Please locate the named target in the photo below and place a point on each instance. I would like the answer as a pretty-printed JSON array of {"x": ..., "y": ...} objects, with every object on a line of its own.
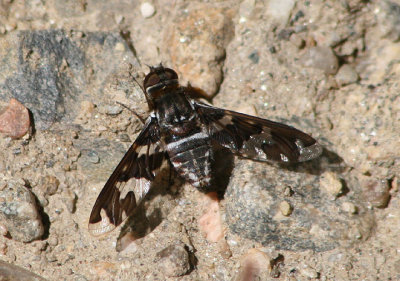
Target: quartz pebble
[
  {"x": 147, "y": 10},
  {"x": 349, "y": 207}
]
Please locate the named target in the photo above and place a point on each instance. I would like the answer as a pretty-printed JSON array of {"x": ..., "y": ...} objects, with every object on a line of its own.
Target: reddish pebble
[
  {"x": 210, "y": 222},
  {"x": 14, "y": 121}
]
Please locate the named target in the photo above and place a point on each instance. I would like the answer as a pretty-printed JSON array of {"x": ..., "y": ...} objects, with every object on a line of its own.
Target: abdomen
[{"x": 191, "y": 157}]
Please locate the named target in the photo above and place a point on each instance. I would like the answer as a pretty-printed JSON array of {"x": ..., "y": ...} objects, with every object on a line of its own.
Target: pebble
[
  {"x": 3, "y": 248},
  {"x": 93, "y": 157},
  {"x": 349, "y": 207},
  {"x": 147, "y": 10},
  {"x": 309, "y": 272},
  {"x": 173, "y": 260},
  {"x": 254, "y": 265},
  {"x": 15, "y": 121},
  {"x": 322, "y": 58},
  {"x": 280, "y": 10},
  {"x": 69, "y": 199},
  {"x": 87, "y": 107},
  {"x": 375, "y": 191},
  {"x": 286, "y": 208},
  {"x": 346, "y": 75},
  {"x": 53, "y": 241},
  {"x": 296, "y": 40},
  {"x": 224, "y": 249},
  {"x": 3, "y": 230},
  {"x": 49, "y": 185},
  {"x": 21, "y": 214},
  {"x": 113, "y": 110},
  {"x": 210, "y": 222},
  {"x": 331, "y": 184}
]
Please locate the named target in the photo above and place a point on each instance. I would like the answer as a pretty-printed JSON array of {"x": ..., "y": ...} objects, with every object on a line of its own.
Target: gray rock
[
  {"x": 316, "y": 222},
  {"x": 20, "y": 213},
  {"x": 322, "y": 58},
  {"x": 50, "y": 71}
]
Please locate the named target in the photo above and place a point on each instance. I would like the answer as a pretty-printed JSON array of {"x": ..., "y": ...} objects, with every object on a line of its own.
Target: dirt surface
[{"x": 328, "y": 68}]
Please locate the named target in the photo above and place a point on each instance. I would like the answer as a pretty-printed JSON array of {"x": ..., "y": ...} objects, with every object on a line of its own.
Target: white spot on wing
[
  {"x": 284, "y": 158},
  {"x": 102, "y": 226},
  {"x": 309, "y": 152}
]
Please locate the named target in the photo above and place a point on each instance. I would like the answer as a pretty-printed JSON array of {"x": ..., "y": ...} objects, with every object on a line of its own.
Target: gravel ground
[{"x": 328, "y": 68}]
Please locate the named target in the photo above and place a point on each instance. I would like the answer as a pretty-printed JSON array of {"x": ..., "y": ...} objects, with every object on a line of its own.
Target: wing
[
  {"x": 257, "y": 138},
  {"x": 129, "y": 182}
]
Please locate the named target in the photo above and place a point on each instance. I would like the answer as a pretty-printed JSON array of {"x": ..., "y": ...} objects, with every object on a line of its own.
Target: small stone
[
  {"x": 119, "y": 19},
  {"x": 53, "y": 241},
  {"x": 113, "y": 110},
  {"x": 20, "y": 213},
  {"x": 15, "y": 121},
  {"x": 284, "y": 34},
  {"x": 49, "y": 185},
  {"x": 331, "y": 184},
  {"x": 280, "y": 10},
  {"x": 322, "y": 58},
  {"x": 3, "y": 230},
  {"x": 3, "y": 248},
  {"x": 349, "y": 208},
  {"x": 173, "y": 260},
  {"x": 124, "y": 138},
  {"x": 286, "y": 208},
  {"x": 69, "y": 199},
  {"x": 376, "y": 192},
  {"x": 210, "y": 222},
  {"x": 87, "y": 107},
  {"x": 254, "y": 265},
  {"x": 147, "y": 10},
  {"x": 224, "y": 249},
  {"x": 296, "y": 40},
  {"x": 120, "y": 47},
  {"x": 93, "y": 157},
  {"x": 288, "y": 191},
  {"x": 346, "y": 75},
  {"x": 309, "y": 272},
  {"x": 254, "y": 57}
]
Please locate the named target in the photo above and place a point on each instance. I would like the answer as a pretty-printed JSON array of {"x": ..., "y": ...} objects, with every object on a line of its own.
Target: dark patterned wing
[
  {"x": 257, "y": 138},
  {"x": 129, "y": 182}
]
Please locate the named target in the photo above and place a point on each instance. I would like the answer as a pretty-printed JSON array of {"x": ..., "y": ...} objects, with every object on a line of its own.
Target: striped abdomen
[{"x": 191, "y": 157}]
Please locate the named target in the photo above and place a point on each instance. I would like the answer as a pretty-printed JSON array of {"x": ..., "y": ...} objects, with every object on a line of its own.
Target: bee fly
[{"x": 181, "y": 131}]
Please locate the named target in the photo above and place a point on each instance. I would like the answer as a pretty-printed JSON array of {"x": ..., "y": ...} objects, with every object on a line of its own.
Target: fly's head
[{"x": 159, "y": 80}]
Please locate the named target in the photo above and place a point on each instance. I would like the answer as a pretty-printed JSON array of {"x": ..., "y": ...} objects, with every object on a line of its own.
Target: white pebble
[{"x": 147, "y": 10}]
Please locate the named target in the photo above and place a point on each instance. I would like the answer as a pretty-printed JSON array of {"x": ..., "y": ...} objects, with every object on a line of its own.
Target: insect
[{"x": 181, "y": 132}]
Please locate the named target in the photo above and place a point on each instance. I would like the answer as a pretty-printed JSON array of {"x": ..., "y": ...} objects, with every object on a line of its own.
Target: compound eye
[
  {"x": 151, "y": 80},
  {"x": 171, "y": 74}
]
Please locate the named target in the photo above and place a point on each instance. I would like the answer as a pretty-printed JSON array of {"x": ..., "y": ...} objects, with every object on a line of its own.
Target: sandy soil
[{"x": 329, "y": 68}]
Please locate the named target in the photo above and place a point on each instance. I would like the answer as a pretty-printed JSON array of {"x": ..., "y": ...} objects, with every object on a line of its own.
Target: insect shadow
[{"x": 164, "y": 194}]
